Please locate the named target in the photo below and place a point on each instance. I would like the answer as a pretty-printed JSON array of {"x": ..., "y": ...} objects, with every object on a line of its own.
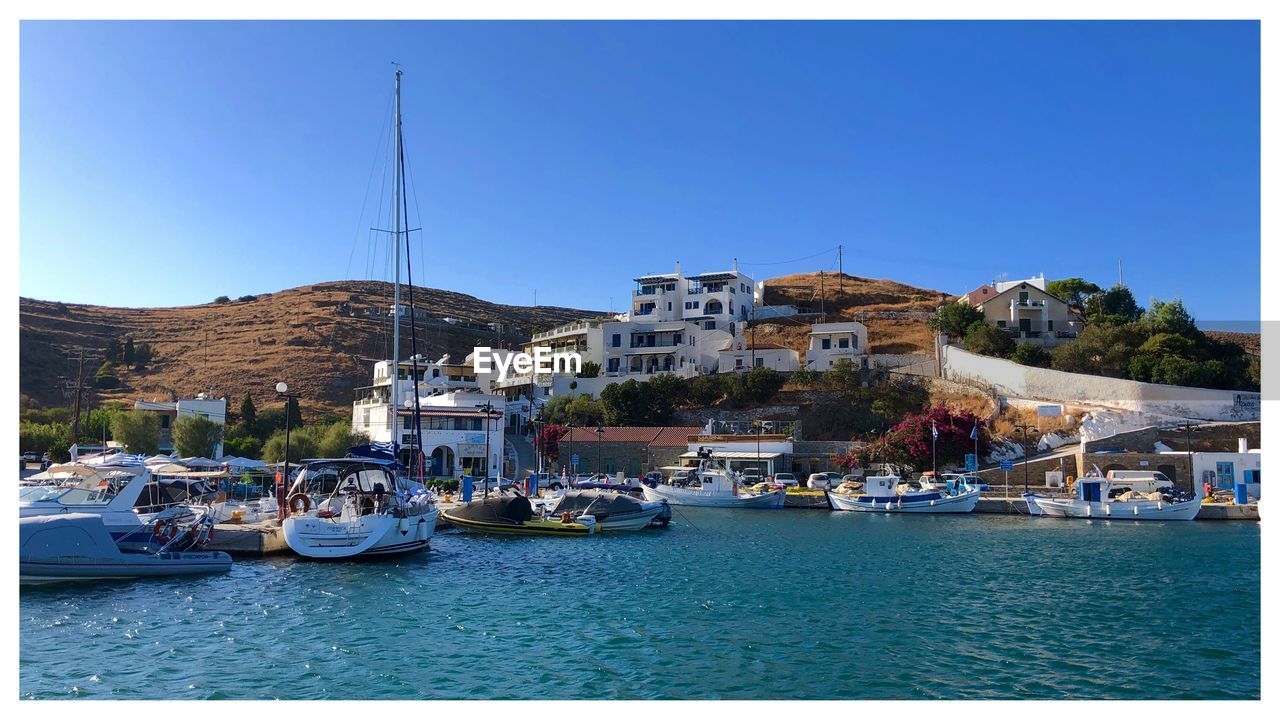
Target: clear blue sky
[{"x": 168, "y": 163}]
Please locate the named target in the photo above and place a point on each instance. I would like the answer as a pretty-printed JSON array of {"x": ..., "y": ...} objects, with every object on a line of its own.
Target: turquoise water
[{"x": 724, "y": 604}]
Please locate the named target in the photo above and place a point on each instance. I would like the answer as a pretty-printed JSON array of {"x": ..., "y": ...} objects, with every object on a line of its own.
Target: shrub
[
  {"x": 138, "y": 430},
  {"x": 105, "y": 378},
  {"x": 1031, "y": 354},
  {"x": 196, "y": 436},
  {"x": 246, "y": 298},
  {"x": 589, "y": 370},
  {"x": 984, "y": 339},
  {"x": 221, "y": 300},
  {"x": 955, "y": 318},
  {"x": 243, "y": 446},
  {"x": 300, "y": 446}
]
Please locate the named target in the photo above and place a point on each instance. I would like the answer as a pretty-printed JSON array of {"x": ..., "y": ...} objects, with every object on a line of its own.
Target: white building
[
  {"x": 740, "y": 355},
  {"x": 456, "y": 427},
  {"x": 676, "y": 324},
  {"x": 832, "y": 342},
  {"x": 1026, "y": 310},
  {"x": 169, "y": 412}
]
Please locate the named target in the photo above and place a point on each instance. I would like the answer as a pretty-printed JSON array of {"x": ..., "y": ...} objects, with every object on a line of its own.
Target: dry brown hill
[
  {"x": 893, "y": 312},
  {"x": 322, "y": 339}
]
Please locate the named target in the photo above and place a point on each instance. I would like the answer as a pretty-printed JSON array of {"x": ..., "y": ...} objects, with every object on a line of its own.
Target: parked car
[
  {"x": 819, "y": 481},
  {"x": 30, "y": 456},
  {"x": 786, "y": 479}
]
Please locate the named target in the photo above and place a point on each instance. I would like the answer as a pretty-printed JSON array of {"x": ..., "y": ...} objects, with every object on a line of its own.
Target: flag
[
  {"x": 974, "y": 435},
  {"x": 935, "y": 431}
]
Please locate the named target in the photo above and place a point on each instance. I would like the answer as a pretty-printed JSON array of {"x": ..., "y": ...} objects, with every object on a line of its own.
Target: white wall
[{"x": 1010, "y": 378}]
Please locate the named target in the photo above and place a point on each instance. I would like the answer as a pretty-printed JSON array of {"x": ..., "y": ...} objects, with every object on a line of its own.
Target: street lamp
[
  {"x": 1025, "y": 431},
  {"x": 282, "y": 389},
  {"x": 757, "y": 427},
  {"x": 487, "y": 407},
  {"x": 573, "y": 466},
  {"x": 599, "y": 457}
]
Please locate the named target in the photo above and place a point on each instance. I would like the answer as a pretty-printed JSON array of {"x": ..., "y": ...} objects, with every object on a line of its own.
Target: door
[
  {"x": 1226, "y": 474},
  {"x": 1024, "y": 325}
]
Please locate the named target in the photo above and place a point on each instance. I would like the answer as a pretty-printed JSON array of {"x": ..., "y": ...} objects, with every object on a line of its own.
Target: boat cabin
[{"x": 881, "y": 485}]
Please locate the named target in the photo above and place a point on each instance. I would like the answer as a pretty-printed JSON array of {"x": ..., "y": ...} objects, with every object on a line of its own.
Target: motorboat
[
  {"x": 945, "y": 482},
  {"x": 514, "y": 515},
  {"x": 887, "y": 493},
  {"x": 611, "y": 510},
  {"x": 77, "y": 547},
  {"x": 114, "y": 492},
  {"x": 712, "y": 485},
  {"x": 357, "y": 507},
  {"x": 1113, "y": 499}
]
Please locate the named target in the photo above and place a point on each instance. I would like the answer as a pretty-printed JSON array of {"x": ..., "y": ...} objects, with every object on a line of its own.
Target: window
[
  {"x": 617, "y": 339},
  {"x": 759, "y": 362},
  {"x": 854, "y": 340},
  {"x": 668, "y": 307},
  {"x": 164, "y": 422},
  {"x": 737, "y": 362},
  {"x": 677, "y": 338},
  {"x": 743, "y": 286},
  {"x": 1000, "y": 323},
  {"x": 1022, "y": 297},
  {"x": 406, "y": 423},
  {"x": 435, "y": 372},
  {"x": 844, "y": 343},
  {"x": 710, "y": 325},
  {"x": 826, "y": 343},
  {"x": 1050, "y": 326},
  {"x": 613, "y": 364}
]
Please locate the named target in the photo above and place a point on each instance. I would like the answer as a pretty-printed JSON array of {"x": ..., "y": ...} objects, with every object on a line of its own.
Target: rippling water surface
[{"x": 724, "y": 604}]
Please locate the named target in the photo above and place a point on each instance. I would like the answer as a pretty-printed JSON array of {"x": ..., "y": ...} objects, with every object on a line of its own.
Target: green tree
[
  {"x": 1100, "y": 350},
  {"x": 1116, "y": 306},
  {"x": 141, "y": 356},
  {"x": 336, "y": 439},
  {"x": 589, "y": 370},
  {"x": 986, "y": 340},
  {"x": 138, "y": 430},
  {"x": 1031, "y": 354},
  {"x": 128, "y": 352},
  {"x": 1170, "y": 318},
  {"x": 300, "y": 446},
  {"x": 243, "y": 446},
  {"x": 295, "y": 413},
  {"x": 196, "y": 436},
  {"x": 634, "y": 403},
  {"x": 842, "y": 376},
  {"x": 248, "y": 412},
  {"x": 805, "y": 377},
  {"x": 113, "y": 350},
  {"x": 955, "y": 318},
  {"x": 105, "y": 378},
  {"x": 705, "y": 390},
  {"x": 1073, "y": 291},
  {"x": 43, "y": 437}
]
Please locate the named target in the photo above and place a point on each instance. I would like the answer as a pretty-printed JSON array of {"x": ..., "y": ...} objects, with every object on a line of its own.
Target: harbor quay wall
[
  {"x": 1021, "y": 381},
  {"x": 1175, "y": 466},
  {"x": 1209, "y": 437}
]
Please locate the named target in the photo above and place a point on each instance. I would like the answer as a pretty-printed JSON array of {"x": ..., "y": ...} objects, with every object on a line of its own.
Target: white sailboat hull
[
  {"x": 1039, "y": 505},
  {"x": 699, "y": 498},
  {"x": 909, "y": 503},
  {"x": 366, "y": 536}
]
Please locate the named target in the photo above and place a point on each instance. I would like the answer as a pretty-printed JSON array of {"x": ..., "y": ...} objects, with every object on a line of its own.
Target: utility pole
[
  {"x": 840, "y": 265},
  {"x": 753, "y": 336},
  {"x": 75, "y": 413},
  {"x": 822, "y": 298}
]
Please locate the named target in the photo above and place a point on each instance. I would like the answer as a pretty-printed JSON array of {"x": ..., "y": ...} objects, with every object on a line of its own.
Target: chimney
[
  {"x": 735, "y": 264},
  {"x": 677, "y": 267},
  {"x": 1242, "y": 445}
]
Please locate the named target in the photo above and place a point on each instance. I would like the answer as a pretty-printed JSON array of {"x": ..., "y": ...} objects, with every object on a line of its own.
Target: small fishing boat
[
  {"x": 611, "y": 510},
  {"x": 351, "y": 507},
  {"x": 887, "y": 493},
  {"x": 513, "y": 515},
  {"x": 712, "y": 486},
  {"x": 1095, "y": 499},
  {"x": 77, "y": 546}
]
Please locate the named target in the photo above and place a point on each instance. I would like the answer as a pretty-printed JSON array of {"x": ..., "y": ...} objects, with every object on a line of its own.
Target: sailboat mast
[{"x": 395, "y": 333}]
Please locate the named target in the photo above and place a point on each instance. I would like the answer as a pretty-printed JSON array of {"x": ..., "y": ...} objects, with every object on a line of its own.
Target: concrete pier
[{"x": 248, "y": 539}]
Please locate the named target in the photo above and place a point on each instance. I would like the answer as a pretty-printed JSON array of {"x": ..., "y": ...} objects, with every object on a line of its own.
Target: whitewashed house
[
  {"x": 169, "y": 412},
  {"x": 1026, "y": 310},
  {"x": 741, "y": 355},
  {"x": 831, "y": 342}
]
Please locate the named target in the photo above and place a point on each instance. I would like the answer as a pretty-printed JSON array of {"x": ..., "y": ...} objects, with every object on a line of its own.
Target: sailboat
[{"x": 363, "y": 507}]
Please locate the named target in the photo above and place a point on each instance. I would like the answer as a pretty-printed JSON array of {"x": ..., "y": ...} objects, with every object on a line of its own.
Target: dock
[{"x": 249, "y": 540}]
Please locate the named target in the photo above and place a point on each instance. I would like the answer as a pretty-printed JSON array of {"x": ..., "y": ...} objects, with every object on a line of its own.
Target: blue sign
[
  {"x": 575, "y": 459},
  {"x": 1006, "y": 465},
  {"x": 970, "y": 462}
]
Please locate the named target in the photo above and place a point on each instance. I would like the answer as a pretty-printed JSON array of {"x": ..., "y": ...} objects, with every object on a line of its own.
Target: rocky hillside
[
  {"x": 322, "y": 339},
  {"x": 894, "y": 313}
]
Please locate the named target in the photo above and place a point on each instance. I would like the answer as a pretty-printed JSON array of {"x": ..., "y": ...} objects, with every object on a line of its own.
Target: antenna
[{"x": 1122, "y": 273}]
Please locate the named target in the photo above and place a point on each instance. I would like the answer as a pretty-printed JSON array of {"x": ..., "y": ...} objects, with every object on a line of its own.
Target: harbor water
[{"x": 732, "y": 604}]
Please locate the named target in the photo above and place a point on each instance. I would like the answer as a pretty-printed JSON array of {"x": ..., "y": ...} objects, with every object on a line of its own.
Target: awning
[{"x": 736, "y": 455}]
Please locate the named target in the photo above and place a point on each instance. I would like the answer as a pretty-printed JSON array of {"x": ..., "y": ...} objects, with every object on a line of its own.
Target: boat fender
[
  {"x": 163, "y": 530},
  {"x": 299, "y": 503},
  {"x": 566, "y": 518},
  {"x": 932, "y": 503}
]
